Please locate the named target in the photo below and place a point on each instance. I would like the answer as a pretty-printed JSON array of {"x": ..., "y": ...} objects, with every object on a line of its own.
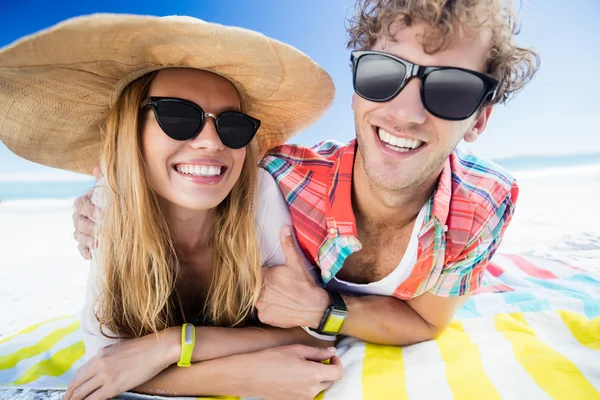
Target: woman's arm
[
  {"x": 214, "y": 342},
  {"x": 93, "y": 338},
  {"x": 291, "y": 372}
]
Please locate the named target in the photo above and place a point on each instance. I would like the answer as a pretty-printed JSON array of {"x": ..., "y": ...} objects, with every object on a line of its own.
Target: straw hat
[{"x": 58, "y": 86}]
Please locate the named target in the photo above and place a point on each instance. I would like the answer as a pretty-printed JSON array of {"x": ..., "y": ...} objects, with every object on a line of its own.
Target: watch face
[{"x": 335, "y": 321}]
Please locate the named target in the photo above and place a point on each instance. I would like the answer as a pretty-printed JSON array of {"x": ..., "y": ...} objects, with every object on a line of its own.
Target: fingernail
[
  {"x": 287, "y": 231},
  {"x": 332, "y": 349}
]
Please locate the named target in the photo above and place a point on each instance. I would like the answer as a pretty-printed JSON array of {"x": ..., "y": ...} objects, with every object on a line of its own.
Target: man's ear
[{"x": 479, "y": 125}]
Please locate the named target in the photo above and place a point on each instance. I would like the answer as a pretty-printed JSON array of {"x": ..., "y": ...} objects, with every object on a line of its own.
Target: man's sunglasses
[
  {"x": 446, "y": 92},
  {"x": 182, "y": 119}
]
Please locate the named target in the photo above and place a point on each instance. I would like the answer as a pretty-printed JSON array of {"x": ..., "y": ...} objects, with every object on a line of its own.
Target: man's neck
[{"x": 375, "y": 207}]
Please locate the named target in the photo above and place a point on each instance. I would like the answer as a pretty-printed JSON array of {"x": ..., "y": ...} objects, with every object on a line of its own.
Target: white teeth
[
  {"x": 398, "y": 143},
  {"x": 199, "y": 170}
]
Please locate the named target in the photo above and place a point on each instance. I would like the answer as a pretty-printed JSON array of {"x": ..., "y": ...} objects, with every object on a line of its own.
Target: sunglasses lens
[
  {"x": 452, "y": 93},
  {"x": 235, "y": 129},
  {"x": 180, "y": 121},
  {"x": 378, "y": 77}
]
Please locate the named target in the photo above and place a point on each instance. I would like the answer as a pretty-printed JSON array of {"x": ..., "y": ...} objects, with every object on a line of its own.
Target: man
[{"x": 399, "y": 216}]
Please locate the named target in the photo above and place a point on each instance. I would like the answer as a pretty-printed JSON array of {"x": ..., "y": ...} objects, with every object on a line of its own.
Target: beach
[{"x": 43, "y": 275}]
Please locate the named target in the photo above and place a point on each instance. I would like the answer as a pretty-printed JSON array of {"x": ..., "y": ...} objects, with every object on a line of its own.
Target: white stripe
[
  {"x": 546, "y": 292},
  {"x": 566, "y": 303},
  {"x": 490, "y": 304},
  {"x": 425, "y": 372},
  {"x": 550, "y": 329},
  {"x": 499, "y": 363},
  {"x": 20, "y": 341},
  {"x": 352, "y": 353},
  {"x": 556, "y": 267}
]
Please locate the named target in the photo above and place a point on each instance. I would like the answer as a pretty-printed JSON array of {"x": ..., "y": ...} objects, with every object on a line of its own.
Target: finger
[
  {"x": 97, "y": 173},
  {"x": 334, "y": 371},
  {"x": 86, "y": 389},
  {"x": 292, "y": 255},
  {"x": 313, "y": 353},
  {"x": 82, "y": 375},
  {"x": 84, "y": 207},
  {"x": 102, "y": 394},
  {"x": 324, "y": 386},
  {"x": 85, "y": 252},
  {"x": 84, "y": 231}
]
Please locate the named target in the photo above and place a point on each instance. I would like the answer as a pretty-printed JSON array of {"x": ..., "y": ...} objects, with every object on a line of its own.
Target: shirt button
[
  {"x": 332, "y": 231},
  {"x": 327, "y": 274}
]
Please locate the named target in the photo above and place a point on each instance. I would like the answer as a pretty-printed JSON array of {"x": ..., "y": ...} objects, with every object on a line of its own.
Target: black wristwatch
[{"x": 334, "y": 317}]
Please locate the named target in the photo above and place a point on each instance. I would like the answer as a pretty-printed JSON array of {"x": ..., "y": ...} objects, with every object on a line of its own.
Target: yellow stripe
[
  {"x": 464, "y": 368},
  {"x": 552, "y": 371},
  {"x": 586, "y": 331},
  {"x": 384, "y": 373},
  {"x": 10, "y": 360},
  {"x": 56, "y": 365},
  {"x": 33, "y": 328}
]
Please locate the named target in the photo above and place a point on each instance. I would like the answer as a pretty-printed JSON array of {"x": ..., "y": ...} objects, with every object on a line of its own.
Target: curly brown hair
[{"x": 511, "y": 65}]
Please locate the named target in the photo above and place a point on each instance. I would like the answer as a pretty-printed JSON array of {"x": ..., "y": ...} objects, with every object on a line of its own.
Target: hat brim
[{"x": 58, "y": 86}]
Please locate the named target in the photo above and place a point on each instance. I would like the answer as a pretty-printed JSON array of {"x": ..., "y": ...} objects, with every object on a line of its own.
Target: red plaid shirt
[{"x": 463, "y": 226}]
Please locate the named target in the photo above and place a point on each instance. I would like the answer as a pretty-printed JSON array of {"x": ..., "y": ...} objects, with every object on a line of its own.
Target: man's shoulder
[
  {"x": 481, "y": 183},
  {"x": 322, "y": 155}
]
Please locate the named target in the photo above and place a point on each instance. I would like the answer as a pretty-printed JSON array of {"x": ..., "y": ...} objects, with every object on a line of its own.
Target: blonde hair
[
  {"x": 138, "y": 255},
  {"x": 510, "y": 64}
]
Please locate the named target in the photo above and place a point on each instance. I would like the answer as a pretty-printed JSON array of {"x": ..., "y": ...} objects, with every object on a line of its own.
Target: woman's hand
[
  {"x": 289, "y": 373},
  {"x": 120, "y": 367}
]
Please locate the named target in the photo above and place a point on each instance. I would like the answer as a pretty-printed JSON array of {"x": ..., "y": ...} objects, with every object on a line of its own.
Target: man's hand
[
  {"x": 84, "y": 215},
  {"x": 290, "y": 295}
]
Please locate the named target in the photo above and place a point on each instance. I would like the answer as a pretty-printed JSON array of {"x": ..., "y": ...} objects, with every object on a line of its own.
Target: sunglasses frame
[
  {"x": 154, "y": 102},
  {"x": 490, "y": 85}
]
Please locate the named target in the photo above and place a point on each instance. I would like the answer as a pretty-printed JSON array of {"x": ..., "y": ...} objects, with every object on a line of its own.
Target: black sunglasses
[
  {"x": 446, "y": 92},
  {"x": 182, "y": 119}
]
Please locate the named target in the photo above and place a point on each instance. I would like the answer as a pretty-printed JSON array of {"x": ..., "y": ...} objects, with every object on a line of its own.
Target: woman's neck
[{"x": 190, "y": 229}]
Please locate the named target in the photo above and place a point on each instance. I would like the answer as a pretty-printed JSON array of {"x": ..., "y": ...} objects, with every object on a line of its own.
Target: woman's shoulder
[
  {"x": 272, "y": 214},
  {"x": 271, "y": 202}
]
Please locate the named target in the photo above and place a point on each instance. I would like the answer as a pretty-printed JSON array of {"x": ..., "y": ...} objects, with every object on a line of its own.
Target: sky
[{"x": 558, "y": 113}]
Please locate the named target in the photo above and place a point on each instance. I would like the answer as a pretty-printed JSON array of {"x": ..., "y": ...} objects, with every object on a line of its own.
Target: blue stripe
[
  {"x": 468, "y": 310},
  {"x": 474, "y": 189},
  {"x": 293, "y": 194},
  {"x": 304, "y": 161},
  {"x": 526, "y": 301},
  {"x": 584, "y": 279},
  {"x": 591, "y": 307},
  {"x": 565, "y": 290},
  {"x": 485, "y": 167}
]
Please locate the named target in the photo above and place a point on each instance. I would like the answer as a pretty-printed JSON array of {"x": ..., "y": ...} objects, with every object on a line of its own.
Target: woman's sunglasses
[
  {"x": 182, "y": 119},
  {"x": 446, "y": 92}
]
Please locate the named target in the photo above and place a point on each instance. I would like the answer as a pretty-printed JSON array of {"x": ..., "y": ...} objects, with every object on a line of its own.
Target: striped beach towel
[{"x": 532, "y": 331}]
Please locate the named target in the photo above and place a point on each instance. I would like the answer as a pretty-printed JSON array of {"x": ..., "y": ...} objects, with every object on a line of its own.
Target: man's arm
[
  {"x": 378, "y": 319},
  {"x": 387, "y": 320}
]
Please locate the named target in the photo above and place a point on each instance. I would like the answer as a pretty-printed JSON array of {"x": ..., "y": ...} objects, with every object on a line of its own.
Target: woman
[{"x": 182, "y": 110}]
